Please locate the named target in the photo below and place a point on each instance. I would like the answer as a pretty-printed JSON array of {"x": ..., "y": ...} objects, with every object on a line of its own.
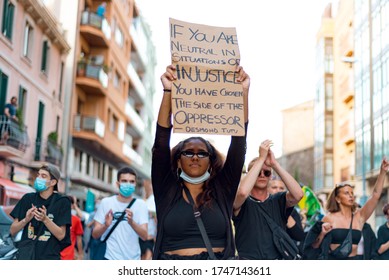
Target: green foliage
[
  {"x": 53, "y": 137},
  {"x": 19, "y": 115}
]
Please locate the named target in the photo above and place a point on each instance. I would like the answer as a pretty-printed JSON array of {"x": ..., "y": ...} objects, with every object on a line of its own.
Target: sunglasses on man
[{"x": 265, "y": 173}]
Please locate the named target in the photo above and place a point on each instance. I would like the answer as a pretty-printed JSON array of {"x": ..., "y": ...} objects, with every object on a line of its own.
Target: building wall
[
  {"x": 344, "y": 139},
  {"x": 371, "y": 95},
  {"x": 114, "y": 107},
  {"x": 323, "y": 112},
  {"x": 24, "y": 70},
  {"x": 295, "y": 136},
  {"x": 298, "y": 142}
]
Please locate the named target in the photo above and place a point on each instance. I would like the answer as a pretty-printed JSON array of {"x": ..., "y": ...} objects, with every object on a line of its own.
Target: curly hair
[{"x": 204, "y": 199}]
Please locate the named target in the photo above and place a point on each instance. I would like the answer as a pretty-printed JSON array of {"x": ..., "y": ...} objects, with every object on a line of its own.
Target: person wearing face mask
[
  {"x": 123, "y": 243},
  {"x": 194, "y": 168},
  {"x": 45, "y": 213}
]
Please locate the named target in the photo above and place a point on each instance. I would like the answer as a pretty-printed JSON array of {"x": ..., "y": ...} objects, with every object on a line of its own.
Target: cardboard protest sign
[{"x": 206, "y": 98}]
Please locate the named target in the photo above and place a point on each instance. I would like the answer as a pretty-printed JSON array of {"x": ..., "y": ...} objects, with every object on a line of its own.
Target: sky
[{"x": 277, "y": 47}]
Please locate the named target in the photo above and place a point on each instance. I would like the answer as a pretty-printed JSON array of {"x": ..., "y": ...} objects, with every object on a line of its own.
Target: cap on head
[{"x": 54, "y": 171}]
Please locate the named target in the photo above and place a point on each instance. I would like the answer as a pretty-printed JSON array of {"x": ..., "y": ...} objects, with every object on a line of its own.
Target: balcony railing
[
  {"x": 13, "y": 134},
  {"x": 138, "y": 85},
  {"x": 136, "y": 119},
  {"x": 132, "y": 155},
  {"x": 92, "y": 19},
  {"x": 93, "y": 71},
  {"x": 88, "y": 123},
  {"x": 46, "y": 150}
]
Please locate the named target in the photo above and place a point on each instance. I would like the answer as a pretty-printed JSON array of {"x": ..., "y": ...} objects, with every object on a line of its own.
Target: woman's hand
[
  {"x": 243, "y": 78},
  {"x": 326, "y": 228},
  {"x": 385, "y": 165},
  {"x": 168, "y": 77}
]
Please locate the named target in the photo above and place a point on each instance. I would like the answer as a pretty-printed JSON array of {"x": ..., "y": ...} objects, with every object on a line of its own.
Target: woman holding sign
[{"x": 193, "y": 178}]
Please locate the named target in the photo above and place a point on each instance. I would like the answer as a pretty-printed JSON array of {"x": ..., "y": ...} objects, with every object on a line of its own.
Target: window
[
  {"x": 113, "y": 123},
  {"x": 8, "y": 18},
  {"x": 22, "y": 101},
  {"x": 45, "y": 56},
  {"x": 57, "y": 124},
  {"x": 60, "y": 82},
  {"x": 3, "y": 90},
  {"x": 119, "y": 38},
  {"x": 117, "y": 80},
  {"x": 27, "y": 43}
]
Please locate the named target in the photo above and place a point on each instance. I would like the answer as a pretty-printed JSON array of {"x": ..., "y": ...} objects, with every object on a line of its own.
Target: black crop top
[
  {"x": 339, "y": 234},
  {"x": 187, "y": 234}
]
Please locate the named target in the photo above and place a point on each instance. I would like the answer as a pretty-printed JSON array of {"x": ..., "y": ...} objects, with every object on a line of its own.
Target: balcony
[
  {"x": 137, "y": 83},
  {"x": 132, "y": 155},
  {"x": 347, "y": 132},
  {"x": 92, "y": 78},
  {"x": 89, "y": 124},
  {"x": 136, "y": 121},
  {"x": 141, "y": 48},
  {"x": 14, "y": 138},
  {"x": 346, "y": 87},
  {"x": 95, "y": 29},
  {"x": 48, "y": 151}
]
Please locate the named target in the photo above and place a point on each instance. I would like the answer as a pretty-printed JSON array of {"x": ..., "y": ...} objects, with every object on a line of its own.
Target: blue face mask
[
  {"x": 126, "y": 189},
  {"x": 40, "y": 184}
]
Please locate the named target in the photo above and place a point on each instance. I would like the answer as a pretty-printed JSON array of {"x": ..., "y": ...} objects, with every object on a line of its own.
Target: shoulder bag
[
  {"x": 281, "y": 239},
  {"x": 101, "y": 245},
  {"x": 344, "y": 249},
  {"x": 200, "y": 224}
]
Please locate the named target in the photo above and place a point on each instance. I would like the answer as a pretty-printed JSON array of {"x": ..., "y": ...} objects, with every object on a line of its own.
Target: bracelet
[{"x": 167, "y": 90}]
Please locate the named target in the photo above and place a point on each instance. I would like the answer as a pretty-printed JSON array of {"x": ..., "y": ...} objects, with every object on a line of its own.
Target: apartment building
[
  {"x": 344, "y": 137},
  {"x": 371, "y": 82},
  {"x": 323, "y": 110},
  {"x": 352, "y": 113},
  {"x": 111, "y": 85},
  {"x": 33, "y": 51}
]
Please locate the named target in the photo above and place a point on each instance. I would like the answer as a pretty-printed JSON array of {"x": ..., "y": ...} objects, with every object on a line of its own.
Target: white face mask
[
  {"x": 195, "y": 180},
  {"x": 74, "y": 212}
]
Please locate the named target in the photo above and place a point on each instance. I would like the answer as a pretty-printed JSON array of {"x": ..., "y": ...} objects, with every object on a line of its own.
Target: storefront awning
[{"x": 14, "y": 190}]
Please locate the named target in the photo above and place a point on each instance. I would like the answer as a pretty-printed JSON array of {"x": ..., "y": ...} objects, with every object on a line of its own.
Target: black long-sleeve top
[{"x": 168, "y": 189}]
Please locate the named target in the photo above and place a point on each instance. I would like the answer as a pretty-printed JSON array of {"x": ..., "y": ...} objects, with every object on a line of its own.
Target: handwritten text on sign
[{"x": 206, "y": 98}]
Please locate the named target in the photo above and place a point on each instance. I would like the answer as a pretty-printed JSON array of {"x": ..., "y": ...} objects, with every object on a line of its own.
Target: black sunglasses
[
  {"x": 266, "y": 173},
  {"x": 190, "y": 154}
]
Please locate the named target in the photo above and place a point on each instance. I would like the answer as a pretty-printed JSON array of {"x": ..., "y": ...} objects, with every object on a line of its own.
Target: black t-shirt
[
  {"x": 253, "y": 236},
  {"x": 187, "y": 234},
  {"x": 383, "y": 237},
  {"x": 48, "y": 247}
]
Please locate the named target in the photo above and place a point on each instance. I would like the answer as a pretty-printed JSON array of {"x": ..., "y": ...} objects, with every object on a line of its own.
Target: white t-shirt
[{"x": 123, "y": 243}]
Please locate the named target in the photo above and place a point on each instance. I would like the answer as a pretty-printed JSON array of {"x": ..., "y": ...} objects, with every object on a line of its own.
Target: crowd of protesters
[{"x": 197, "y": 206}]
